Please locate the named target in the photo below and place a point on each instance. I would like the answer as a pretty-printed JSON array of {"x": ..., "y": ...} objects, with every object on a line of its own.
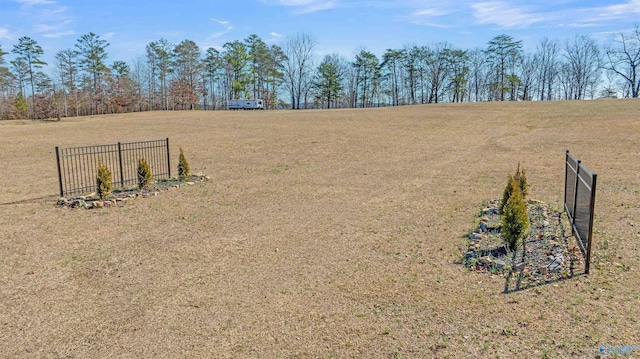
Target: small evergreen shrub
[
  {"x": 520, "y": 181},
  {"x": 144, "y": 174},
  {"x": 512, "y": 184},
  {"x": 515, "y": 220},
  {"x": 183, "y": 167},
  {"x": 103, "y": 181},
  {"x": 521, "y": 177}
]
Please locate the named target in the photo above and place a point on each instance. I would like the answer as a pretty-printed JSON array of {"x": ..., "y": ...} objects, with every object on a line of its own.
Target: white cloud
[
  {"x": 4, "y": 34},
  {"x": 49, "y": 28},
  {"x": 108, "y": 35},
  {"x": 432, "y": 12},
  {"x": 218, "y": 34},
  {"x": 307, "y": 6},
  {"x": 54, "y": 11},
  {"x": 506, "y": 16},
  {"x": 275, "y": 34},
  {"x": 581, "y": 25},
  {"x": 35, "y": 2},
  {"x": 597, "y": 16},
  {"x": 55, "y": 35},
  {"x": 221, "y": 22},
  {"x": 425, "y": 16},
  {"x": 630, "y": 7},
  {"x": 53, "y": 31}
]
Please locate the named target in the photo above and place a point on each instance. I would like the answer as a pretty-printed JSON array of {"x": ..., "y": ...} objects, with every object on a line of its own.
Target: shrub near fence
[
  {"x": 78, "y": 166},
  {"x": 579, "y": 203}
]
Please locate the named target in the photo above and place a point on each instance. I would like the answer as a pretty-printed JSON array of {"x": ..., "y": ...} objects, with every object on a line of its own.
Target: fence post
[
  {"x": 591, "y": 210},
  {"x": 59, "y": 172},
  {"x": 168, "y": 159},
  {"x": 120, "y": 163},
  {"x": 566, "y": 173}
]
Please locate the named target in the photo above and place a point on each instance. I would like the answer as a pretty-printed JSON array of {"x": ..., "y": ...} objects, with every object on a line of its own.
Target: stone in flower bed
[
  {"x": 545, "y": 256},
  {"x": 121, "y": 196}
]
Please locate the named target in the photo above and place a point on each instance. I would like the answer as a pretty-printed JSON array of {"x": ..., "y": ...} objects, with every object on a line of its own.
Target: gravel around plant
[
  {"x": 120, "y": 196},
  {"x": 546, "y": 256}
]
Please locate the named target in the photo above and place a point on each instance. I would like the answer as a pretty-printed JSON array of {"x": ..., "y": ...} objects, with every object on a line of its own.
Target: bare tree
[
  {"x": 67, "y": 68},
  {"x": 139, "y": 76},
  {"x": 623, "y": 59},
  {"x": 477, "y": 75},
  {"x": 529, "y": 64},
  {"x": 549, "y": 67},
  {"x": 582, "y": 67},
  {"x": 437, "y": 61},
  {"x": 298, "y": 66}
]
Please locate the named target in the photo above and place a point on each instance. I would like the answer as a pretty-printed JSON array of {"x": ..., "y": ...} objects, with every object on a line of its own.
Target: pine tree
[
  {"x": 328, "y": 81},
  {"x": 29, "y": 51},
  {"x": 92, "y": 52}
]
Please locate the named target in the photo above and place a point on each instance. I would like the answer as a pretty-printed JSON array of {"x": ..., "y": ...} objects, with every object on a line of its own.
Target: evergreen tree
[
  {"x": 30, "y": 52},
  {"x": 92, "y": 51},
  {"x": 328, "y": 80},
  {"x": 186, "y": 67},
  {"x": 212, "y": 65},
  {"x": 503, "y": 51},
  {"x": 237, "y": 60}
]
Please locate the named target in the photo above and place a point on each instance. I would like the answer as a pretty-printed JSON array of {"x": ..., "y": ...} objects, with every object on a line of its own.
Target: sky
[{"x": 338, "y": 26}]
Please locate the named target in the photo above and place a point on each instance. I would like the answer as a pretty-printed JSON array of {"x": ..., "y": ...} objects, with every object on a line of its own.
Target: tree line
[{"x": 183, "y": 77}]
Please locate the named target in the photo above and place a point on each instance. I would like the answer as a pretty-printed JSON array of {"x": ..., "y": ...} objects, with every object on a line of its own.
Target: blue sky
[{"x": 341, "y": 26}]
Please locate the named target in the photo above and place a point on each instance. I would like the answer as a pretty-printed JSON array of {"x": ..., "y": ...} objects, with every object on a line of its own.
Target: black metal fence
[
  {"x": 579, "y": 203},
  {"x": 78, "y": 166}
]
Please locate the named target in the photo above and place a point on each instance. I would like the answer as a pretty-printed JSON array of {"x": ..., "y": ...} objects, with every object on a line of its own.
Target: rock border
[{"x": 120, "y": 197}]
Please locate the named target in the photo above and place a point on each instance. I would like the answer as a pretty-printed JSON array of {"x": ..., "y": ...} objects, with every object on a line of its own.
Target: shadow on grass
[
  {"x": 30, "y": 200},
  {"x": 514, "y": 279}
]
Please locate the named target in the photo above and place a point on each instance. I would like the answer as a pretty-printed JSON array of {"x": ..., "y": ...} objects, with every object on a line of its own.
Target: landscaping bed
[
  {"x": 120, "y": 196},
  {"x": 547, "y": 254}
]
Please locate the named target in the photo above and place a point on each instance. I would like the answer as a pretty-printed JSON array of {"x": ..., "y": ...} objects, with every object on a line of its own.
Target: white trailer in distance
[{"x": 246, "y": 104}]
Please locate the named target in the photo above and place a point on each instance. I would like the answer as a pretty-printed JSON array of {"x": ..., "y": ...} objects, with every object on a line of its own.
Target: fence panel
[
  {"x": 571, "y": 177},
  {"x": 78, "y": 166},
  {"x": 580, "y": 194}
]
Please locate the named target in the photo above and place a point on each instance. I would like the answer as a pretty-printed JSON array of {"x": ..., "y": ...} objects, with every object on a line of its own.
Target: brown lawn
[{"x": 321, "y": 234}]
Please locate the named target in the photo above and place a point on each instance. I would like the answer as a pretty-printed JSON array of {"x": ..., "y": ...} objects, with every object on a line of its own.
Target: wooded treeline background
[{"x": 182, "y": 77}]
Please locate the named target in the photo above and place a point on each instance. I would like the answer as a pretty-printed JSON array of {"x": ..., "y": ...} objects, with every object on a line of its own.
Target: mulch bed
[{"x": 548, "y": 255}]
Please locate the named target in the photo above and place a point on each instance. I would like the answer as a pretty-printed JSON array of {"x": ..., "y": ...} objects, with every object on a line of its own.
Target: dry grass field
[{"x": 321, "y": 234}]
